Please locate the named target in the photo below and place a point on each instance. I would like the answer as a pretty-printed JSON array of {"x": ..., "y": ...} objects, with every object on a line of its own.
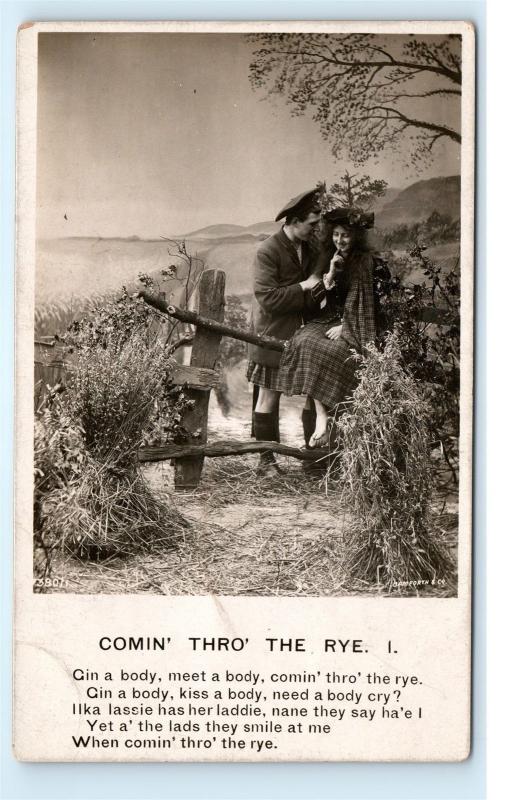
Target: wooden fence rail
[
  {"x": 226, "y": 448},
  {"x": 432, "y": 314},
  {"x": 269, "y": 342}
]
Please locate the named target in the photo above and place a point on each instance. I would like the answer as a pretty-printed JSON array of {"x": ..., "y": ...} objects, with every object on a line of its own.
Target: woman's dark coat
[{"x": 279, "y": 301}]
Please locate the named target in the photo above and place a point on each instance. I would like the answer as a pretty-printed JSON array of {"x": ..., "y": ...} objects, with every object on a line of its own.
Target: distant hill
[
  {"x": 387, "y": 198},
  {"x": 226, "y": 231},
  {"x": 413, "y": 204},
  {"x": 416, "y": 202},
  {"x": 264, "y": 227},
  {"x": 215, "y": 232}
]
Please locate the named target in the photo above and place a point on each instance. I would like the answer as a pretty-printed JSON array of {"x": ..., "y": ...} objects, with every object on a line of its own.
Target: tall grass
[
  {"x": 381, "y": 466},
  {"x": 55, "y": 317},
  {"x": 90, "y": 496}
]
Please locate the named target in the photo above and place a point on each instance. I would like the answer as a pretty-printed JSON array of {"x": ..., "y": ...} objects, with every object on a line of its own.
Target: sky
[{"x": 159, "y": 134}]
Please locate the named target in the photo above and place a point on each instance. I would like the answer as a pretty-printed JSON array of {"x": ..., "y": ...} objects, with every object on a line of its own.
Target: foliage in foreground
[
  {"x": 90, "y": 497},
  {"x": 381, "y": 466},
  {"x": 430, "y": 352}
]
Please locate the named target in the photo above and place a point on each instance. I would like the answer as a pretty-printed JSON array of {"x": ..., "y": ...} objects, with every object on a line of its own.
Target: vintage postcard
[{"x": 244, "y": 391}]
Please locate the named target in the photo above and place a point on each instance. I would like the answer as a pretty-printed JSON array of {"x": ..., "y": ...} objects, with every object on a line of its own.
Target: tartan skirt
[
  {"x": 261, "y": 375},
  {"x": 314, "y": 365}
]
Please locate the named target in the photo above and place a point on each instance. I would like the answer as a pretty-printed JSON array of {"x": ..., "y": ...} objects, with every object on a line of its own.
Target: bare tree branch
[{"x": 358, "y": 90}]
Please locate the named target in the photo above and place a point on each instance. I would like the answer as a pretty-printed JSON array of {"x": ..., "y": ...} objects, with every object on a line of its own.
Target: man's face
[{"x": 303, "y": 229}]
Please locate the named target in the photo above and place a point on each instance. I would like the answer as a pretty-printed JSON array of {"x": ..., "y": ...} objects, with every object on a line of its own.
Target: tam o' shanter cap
[
  {"x": 351, "y": 217},
  {"x": 307, "y": 198}
]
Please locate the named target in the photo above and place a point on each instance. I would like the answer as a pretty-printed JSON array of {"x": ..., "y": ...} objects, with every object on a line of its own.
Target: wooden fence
[{"x": 196, "y": 377}]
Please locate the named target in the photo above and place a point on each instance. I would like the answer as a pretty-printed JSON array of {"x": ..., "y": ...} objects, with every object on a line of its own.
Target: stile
[
  {"x": 210, "y": 302},
  {"x": 198, "y": 377}
]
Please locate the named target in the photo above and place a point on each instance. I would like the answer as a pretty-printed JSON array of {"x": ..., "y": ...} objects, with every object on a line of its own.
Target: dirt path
[{"x": 248, "y": 536}]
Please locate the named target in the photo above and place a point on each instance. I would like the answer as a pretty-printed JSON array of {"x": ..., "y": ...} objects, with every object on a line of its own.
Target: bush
[
  {"x": 430, "y": 352},
  {"x": 90, "y": 497},
  {"x": 125, "y": 330},
  {"x": 381, "y": 465},
  {"x": 59, "y": 456},
  {"x": 436, "y": 229},
  {"x": 113, "y": 391}
]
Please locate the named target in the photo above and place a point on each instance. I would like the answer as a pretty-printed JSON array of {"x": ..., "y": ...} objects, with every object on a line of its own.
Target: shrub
[
  {"x": 91, "y": 498},
  {"x": 59, "y": 455},
  {"x": 430, "y": 352},
  {"x": 113, "y": 390},
  {"x": 109, "y": 323}
]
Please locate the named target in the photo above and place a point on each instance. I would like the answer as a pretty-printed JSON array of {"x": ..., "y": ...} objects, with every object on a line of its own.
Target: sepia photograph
[
  {"x": 248, "y": 335},
  {"x": 244, "y": 291}
]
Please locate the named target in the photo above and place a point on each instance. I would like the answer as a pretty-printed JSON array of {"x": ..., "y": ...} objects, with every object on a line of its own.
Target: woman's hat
[
  {"x": 304, "y": 201},
  {"x": 351, "y": 217}
]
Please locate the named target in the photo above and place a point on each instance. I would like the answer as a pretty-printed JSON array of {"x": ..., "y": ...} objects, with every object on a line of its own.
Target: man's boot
[
  {"x": 264, "y": 429},
  {"x": 275, "y": 415},
  {"x": 308, "y": 424}
]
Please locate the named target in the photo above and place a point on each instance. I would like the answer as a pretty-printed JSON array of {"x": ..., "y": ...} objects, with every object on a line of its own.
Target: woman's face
[{"x": 343, "y": 239}]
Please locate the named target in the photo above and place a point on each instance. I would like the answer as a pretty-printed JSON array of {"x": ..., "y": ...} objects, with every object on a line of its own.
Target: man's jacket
[{"x": 279, "y": 303}]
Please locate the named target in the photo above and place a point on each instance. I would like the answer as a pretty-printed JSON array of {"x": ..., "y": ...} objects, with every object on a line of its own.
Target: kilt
[
  {"x": 314, "y": 365},
  {"x": 262, "y": 375}
]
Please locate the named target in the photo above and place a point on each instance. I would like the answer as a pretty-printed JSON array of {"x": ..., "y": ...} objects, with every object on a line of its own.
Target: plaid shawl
[{"x": 358, "y": 322}]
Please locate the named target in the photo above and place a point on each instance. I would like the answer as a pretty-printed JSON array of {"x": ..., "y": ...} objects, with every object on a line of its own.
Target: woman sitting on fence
[{"x": 319, "y": 360}]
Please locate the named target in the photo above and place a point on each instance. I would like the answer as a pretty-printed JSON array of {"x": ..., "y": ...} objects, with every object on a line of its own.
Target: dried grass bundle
[
  {"x": 108, "y": 511},
  {"x": 382, "y": 469},
  {"x": 91, "y": 499}
]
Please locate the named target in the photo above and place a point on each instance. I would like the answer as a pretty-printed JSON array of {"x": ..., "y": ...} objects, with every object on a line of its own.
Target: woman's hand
[
  {"x": 334, "y": 333},
  {"x": 336, "y": 262}
]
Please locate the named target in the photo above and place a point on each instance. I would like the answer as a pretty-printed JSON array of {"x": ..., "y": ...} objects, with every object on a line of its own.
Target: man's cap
[
  {"x": 350, "y": 217},
  {"x": 300, "y": 203}
]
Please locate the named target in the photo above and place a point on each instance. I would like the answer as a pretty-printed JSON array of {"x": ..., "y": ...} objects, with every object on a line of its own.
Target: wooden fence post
[
  {"x": 49, "y": 368},
  {"x": 210, "y": 302}
]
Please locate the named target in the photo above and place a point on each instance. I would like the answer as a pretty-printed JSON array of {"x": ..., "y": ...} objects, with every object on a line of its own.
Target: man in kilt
[{"x": 285, "y": 275}]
